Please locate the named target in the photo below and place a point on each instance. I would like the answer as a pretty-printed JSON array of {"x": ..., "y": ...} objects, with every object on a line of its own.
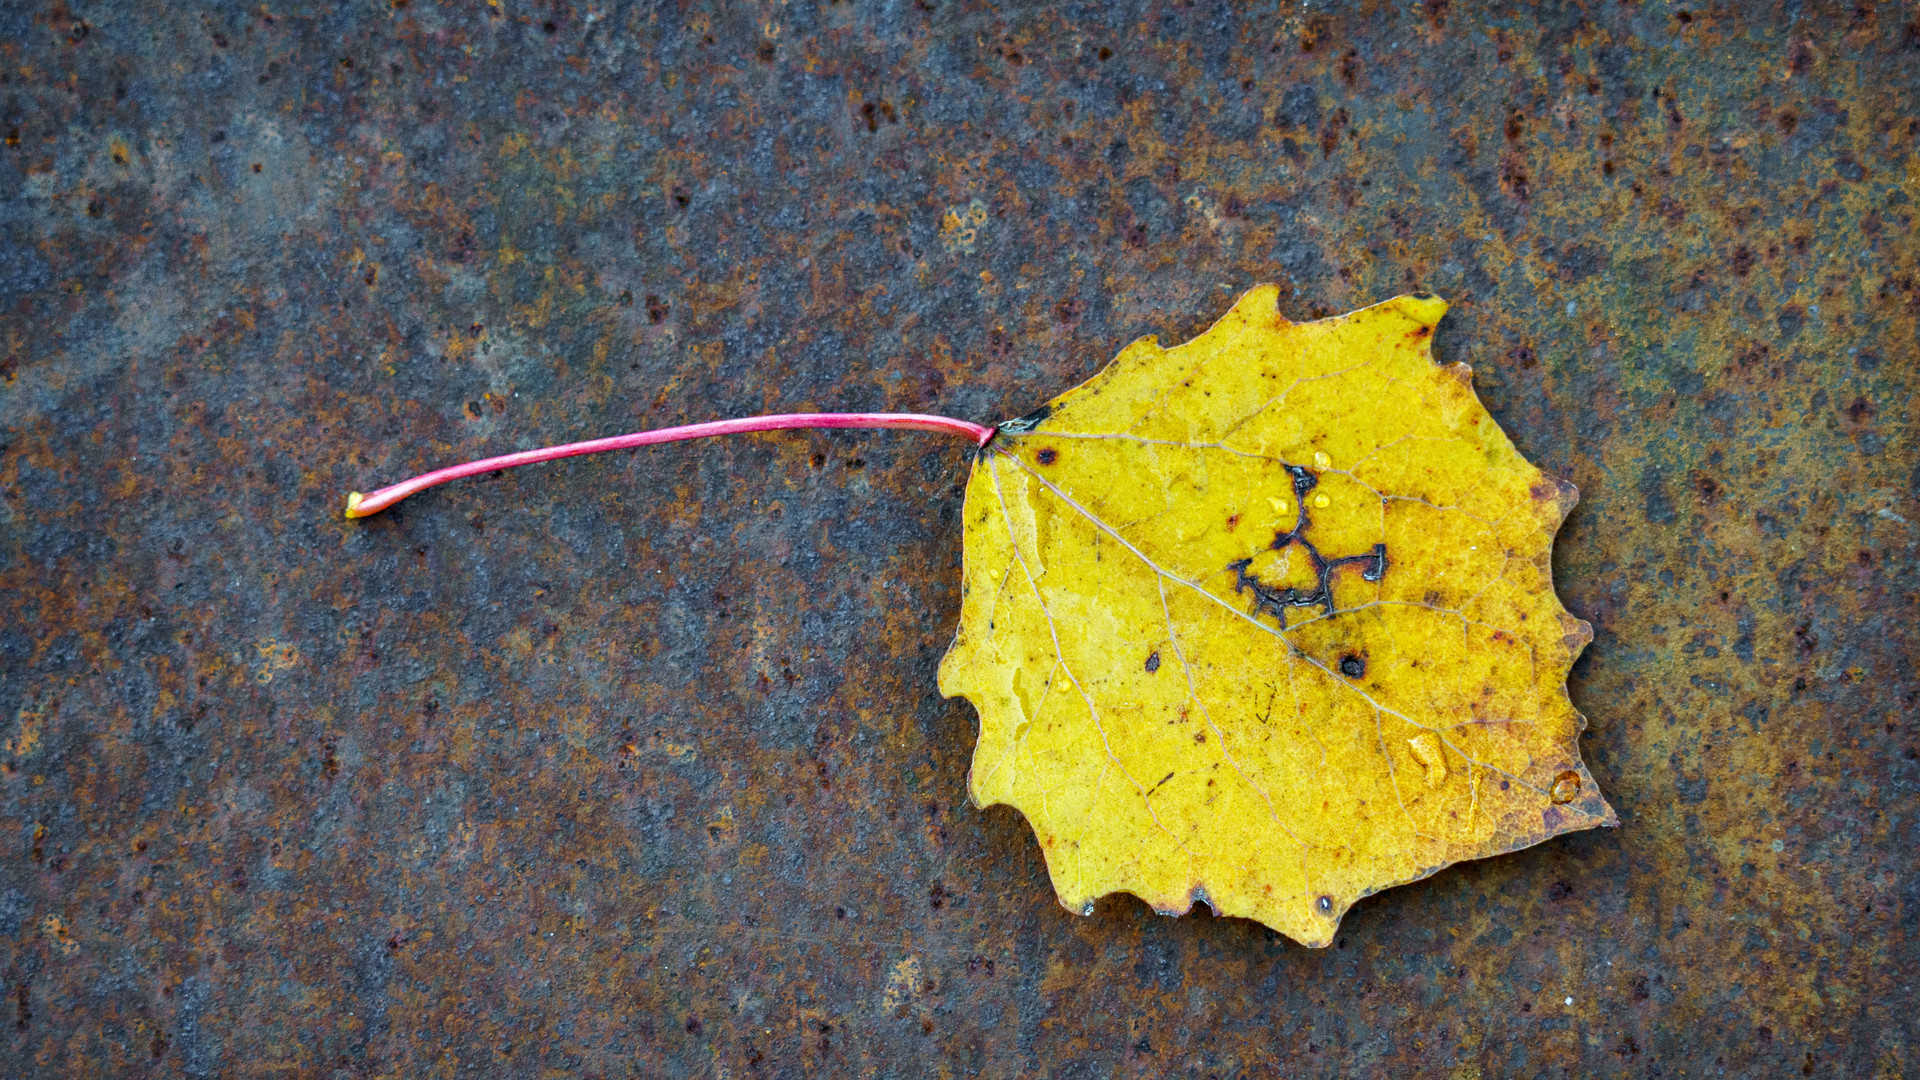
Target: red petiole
[{"x": 359, "y": 505}]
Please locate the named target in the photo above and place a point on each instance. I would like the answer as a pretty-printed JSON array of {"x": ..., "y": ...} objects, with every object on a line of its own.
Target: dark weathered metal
[{"x": 636, "y": 766}]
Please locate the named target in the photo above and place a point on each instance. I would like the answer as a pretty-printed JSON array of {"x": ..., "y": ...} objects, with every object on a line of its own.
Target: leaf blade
[{"x": 1290, "y": 589}]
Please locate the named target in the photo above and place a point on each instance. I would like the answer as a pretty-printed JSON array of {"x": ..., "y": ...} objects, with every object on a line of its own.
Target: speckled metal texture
[{"x": 636, "y": 767}]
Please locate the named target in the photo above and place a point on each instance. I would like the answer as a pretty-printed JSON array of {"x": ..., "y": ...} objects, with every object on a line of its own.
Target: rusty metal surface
[{"x": 635, "y": 767}]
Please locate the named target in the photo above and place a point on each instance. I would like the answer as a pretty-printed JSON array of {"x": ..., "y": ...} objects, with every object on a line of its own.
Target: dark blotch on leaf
[
  {"x": 1352, "y": 666},
  {"x": 1153, "y": 662},
  {"x": 1047, "y": 456}
]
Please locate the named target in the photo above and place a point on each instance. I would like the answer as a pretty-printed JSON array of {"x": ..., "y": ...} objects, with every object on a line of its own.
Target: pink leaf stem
[{"x": 359, "y": 505}]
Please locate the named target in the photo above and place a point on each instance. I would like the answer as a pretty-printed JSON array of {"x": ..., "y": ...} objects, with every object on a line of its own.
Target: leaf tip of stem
[{"x": 354, "y": 499}]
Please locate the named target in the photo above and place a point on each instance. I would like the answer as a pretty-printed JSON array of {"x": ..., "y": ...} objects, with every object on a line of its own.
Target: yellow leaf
[{"x": 1267, "y": 620}]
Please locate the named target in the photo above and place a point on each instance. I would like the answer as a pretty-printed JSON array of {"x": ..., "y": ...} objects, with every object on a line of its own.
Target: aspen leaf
[{"x": 1267, "y": 620}]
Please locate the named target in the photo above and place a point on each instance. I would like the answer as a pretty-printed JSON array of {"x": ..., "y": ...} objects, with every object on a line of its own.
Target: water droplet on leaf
[{"x": 1566, "y": 788}]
